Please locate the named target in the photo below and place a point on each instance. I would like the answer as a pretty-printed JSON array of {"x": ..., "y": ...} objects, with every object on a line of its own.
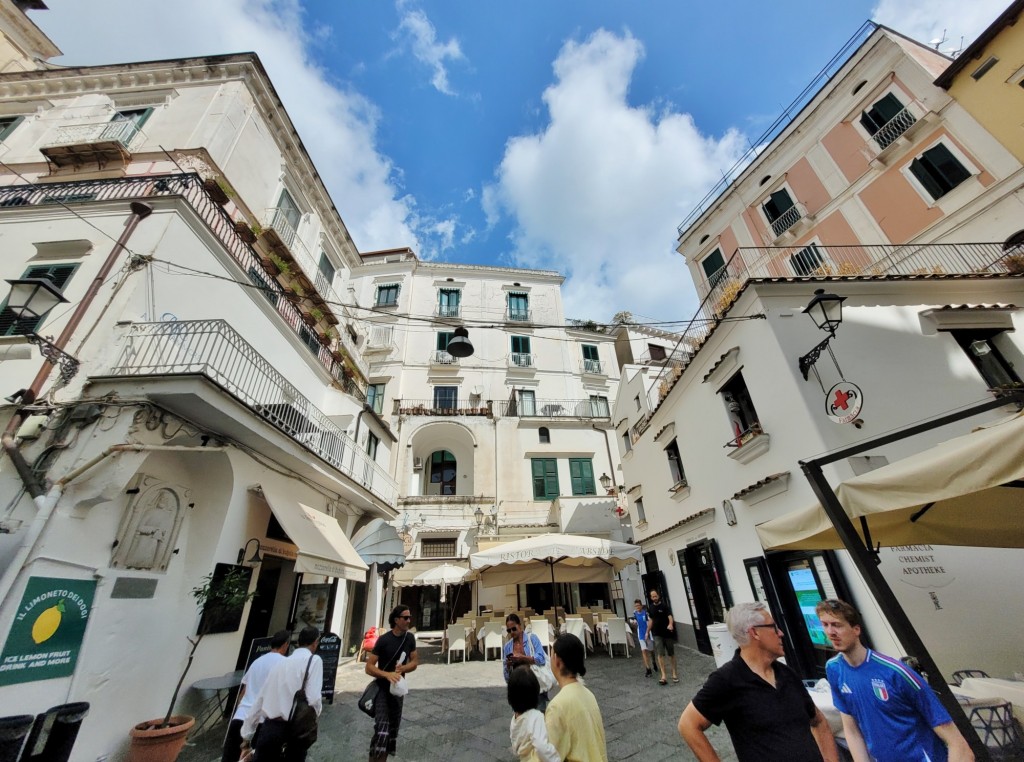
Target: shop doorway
[
  {"x": 272, "y": 605},
  {"x": 707, "y": 593}
]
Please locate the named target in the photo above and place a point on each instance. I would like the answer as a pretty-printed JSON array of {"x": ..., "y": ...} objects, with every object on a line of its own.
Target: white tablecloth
[
  {"x": 602, "y": 635},
  {"x": 823, "y": 700},
  {"x": 994, "y": 687}
]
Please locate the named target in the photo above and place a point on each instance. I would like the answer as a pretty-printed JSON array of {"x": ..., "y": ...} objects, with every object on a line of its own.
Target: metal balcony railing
[
  {"x": 212, "y": 348},
  {"x": 518, "y": 316},
  {"x": 448, "y": 310},
  {"x": 529, "y": 408},
  {"x": 277, "y": 220},
  {"x": 440, "y": 357},
  {"x": 595, "y": 367},
  {"x": 520, "y": 360},
  {"x": 891, "y": 130},
  {"x": 786, "y": 220},
  {"x": 441, "y": 407},
  {"x": 123, "y": 132},
  {"x": 677, "y": 358}
]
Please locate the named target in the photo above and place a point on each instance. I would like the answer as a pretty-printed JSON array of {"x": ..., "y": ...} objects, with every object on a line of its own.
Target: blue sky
[{"x": 565, "y": 134}]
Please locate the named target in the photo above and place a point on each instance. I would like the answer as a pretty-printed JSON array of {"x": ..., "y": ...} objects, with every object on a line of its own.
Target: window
[
  {"x": 544, "y": 435},
  {"x": 886, "y": 120},
  {"x": 980, "y": 344},
  {"x": 327, "y": 270},
  {"x": 591, "y": 363},
  {"x": 982, "y": 70},
  {"x": 372, "y": 441},
  {"x": 527, "y": 402},
  {"x": 807, "y": 260},
  {"x": 437, "y": 547},
  {"x": 627, "y": 443},
  {"x": 581, "y": 475},
  {"x": 599, "y": 406},
  {"x": 443, "y": 468},
  {"x": 58, "y": 275},
  {"x": 8, "y": 125},
  {"x": 675, "y": 463},
  {"x": 714, "y": 267},
  {"x": 656, "y": 352},
  {"x": 446, "y": 397},
  {"x": 387, "y": 295},
  {"x": 125, "y": 124},
  {"x": 742, "y": 416},
  {"x": 518, "y": 307},
  {"x": 375, "y": 397},
  {"x": 521, "y": 351},
  {"x": 310, "y": 339},
  {"x": 641, "y": 517},
  {"x": 636, "y": 401},
  {"x": 545, "y": 478},
  {"x": 443, "y": 337},
  {"x": 939, "y": 171},
  {"x": 780, "y": 211},
  {"x": 289, "y": 210},
  {"x": 448, "y": 300}
]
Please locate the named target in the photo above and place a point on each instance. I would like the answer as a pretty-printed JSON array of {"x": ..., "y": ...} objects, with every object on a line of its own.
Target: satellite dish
[
  {"x": 937, "y": 41},
  {"x": 476, "y": 391}
]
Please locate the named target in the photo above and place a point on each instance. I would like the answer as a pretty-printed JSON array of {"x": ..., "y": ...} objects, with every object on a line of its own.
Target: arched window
[
  {"x": 544, "y": 434},
  {"x": 443, "y": 469}
]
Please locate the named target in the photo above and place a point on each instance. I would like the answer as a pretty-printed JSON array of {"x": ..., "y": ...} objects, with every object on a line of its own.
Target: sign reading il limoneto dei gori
[{"x": 47, "y": 632}]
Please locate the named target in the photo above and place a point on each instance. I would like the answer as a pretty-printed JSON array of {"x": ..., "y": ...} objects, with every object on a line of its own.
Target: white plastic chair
[
  {"x": 576, "y": 626},
  {"x": 490, "y": 637},
  {"x": 456, "y": 640},
  {"x": 617, "y": 635},
  {"x": 542, "y": 629}
]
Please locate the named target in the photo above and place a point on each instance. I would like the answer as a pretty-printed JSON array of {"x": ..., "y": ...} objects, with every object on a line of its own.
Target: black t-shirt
[
  {"x": 388, "y": 651},
  {"x": 763, "y": 722},
  {"x": 659, "y": 613}
]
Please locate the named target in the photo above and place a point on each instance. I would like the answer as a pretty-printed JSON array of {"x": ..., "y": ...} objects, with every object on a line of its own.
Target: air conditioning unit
[{"x": 417, "y": 464}]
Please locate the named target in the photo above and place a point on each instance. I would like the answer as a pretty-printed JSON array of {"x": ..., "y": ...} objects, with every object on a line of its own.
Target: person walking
[
  {"x": 523, "y": 649},
  {"x": 573, "y": 718},
  {"x": 395, "y": 653},
  {"x": 767, "y": 711},
  {"x": 889, "y": 713},
  {"x": 642, "y": 632},
  {"x": 663, "y": 627},
  {"x": 273, "y": 705},
  {"x": 527, "y": 732},
  {"x": 252, "y": 683}
]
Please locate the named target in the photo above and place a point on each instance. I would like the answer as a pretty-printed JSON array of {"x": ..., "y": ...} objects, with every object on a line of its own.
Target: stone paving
[{"x": 458, "y": 713}]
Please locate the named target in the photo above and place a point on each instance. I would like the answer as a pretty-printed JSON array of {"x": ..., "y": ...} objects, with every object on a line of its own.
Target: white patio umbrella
[
  {"x": 554, "y": 558},
  {"x": 442, "y": 576}
]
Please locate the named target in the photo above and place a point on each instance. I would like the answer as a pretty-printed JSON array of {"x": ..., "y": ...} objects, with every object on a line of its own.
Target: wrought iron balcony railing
[
  {"x": 677, "y": 358},
  {"x": 891, "y": 130},
  {"x": 520, "y": 360},
  {"x": 440, "y": 357},
  {"x": 441, "y": 407},
  {"x": 518, "y": 316},
  {"x": 123, "y": 132},
  {"x": 212, "y": 348},
  {"x": 595, "y": 367},
  {"x": 448, "y": 310},
  {"x": 786, "y": 220},
  {"x": 530, "y": 408}
]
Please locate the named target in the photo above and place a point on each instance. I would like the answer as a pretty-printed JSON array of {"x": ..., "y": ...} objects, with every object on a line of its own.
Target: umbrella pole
[{"x": 554, "y": 592}]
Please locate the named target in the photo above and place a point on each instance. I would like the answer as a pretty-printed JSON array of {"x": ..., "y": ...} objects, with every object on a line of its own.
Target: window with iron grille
[
  {"x": 438, "y": 547},
  {"x": 883, "y": 113}
]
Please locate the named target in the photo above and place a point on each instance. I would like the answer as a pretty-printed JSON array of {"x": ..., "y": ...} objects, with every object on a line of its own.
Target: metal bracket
[
  {"x": 807, "y": 361},
  {"x": 55, "y": 356}
]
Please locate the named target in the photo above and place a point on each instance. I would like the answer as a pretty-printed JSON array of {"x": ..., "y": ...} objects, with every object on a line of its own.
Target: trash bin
[
  {"x": 54, "y": 733},
  {"x": 13, "y": 731},
  {"x": 722, "y": 645}
]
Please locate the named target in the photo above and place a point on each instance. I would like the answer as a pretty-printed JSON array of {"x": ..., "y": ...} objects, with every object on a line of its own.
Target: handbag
[
  {"x": 543, "y": 673},
  {"x": 302, "y": 721},
  {"x": 367, "y": 702}
]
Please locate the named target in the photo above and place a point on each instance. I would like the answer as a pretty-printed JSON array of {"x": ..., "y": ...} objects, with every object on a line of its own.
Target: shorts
[
  {"x": 664, "y": 646},
  {"x": 646, "y": 645}
]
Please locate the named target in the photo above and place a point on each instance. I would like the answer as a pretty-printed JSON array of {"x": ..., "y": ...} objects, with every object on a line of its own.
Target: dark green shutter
[
  {"x": 59, "y": 275},
  {"x": 443, "y": 337},
  {"x": 581, "y": 472},
  {"x": 923, "y": 174},
  {"x": 545, "y": 478}
]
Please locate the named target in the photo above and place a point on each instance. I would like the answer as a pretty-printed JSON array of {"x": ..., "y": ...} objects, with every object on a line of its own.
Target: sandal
[
  {"x": 663, "y": 682},
  {"x": 675, "y": 679}
]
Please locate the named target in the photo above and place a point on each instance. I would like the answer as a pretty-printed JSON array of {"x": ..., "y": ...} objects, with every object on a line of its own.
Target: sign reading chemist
[{"x": 48, "y": 629}]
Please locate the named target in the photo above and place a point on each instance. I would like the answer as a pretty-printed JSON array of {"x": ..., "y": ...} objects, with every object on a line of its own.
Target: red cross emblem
[
  {"x": 841, "y": 398},
  {"x": 843, "y": 402}
]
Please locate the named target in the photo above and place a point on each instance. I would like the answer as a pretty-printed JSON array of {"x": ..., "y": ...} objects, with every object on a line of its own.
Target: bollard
[
  {"x": 13, "y": 731},
  {"x": 54, "y": 732}
]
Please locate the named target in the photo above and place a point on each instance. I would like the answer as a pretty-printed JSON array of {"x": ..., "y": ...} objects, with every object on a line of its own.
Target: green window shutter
[
  {"x": 59, "y": 275},
  {"x": 8, "y": 125},
  {"x": 545, "y": 478},
  {"x": 590, "y": 352},
  {"x": 921, "y": 171},
  {"x": 946, "y": 165},
  {"x": 443, "y": 337},
  {"x": 521, "y": 345},
  {"x": 581, "y": 472}
]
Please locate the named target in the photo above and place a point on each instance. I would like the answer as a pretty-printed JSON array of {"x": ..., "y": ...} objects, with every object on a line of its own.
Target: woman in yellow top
[{"x": 573, "y": 718}]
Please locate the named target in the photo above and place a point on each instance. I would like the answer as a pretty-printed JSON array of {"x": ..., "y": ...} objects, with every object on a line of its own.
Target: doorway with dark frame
[{"x": 707, "y": 593}]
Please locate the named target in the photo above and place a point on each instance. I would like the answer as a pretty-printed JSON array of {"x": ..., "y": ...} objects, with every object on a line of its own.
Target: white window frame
[
  {"x": 969, "y": 165},
  {"x": 781, "y": 184},
  {"x": 854, "y": 118}
]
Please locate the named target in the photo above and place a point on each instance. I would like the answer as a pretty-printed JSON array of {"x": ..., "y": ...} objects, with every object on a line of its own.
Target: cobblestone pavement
[{"x": 458, "y": 713}]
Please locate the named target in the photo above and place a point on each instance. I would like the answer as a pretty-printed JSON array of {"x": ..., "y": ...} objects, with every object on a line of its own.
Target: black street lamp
[
  {"x": 30, "y": 299},
  {"x": 826, "y": 310},
  {"x": 459, "y": 344}
]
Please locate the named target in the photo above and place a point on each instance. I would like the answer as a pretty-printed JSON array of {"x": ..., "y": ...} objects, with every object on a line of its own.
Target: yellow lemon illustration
[{"x": 46, "y": 624}]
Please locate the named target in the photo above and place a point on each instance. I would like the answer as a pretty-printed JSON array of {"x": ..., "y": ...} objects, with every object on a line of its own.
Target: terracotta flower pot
[{"x": 151, "y": 743}]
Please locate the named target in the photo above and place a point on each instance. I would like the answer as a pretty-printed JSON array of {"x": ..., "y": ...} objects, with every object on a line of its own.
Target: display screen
[{"x": 807, "y": 595}]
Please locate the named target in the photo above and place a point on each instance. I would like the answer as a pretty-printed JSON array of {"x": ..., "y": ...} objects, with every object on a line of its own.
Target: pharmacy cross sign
[{"x": 844, "y": 402}]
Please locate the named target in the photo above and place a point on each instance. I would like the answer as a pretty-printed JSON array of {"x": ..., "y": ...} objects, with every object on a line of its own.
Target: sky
[{"x": 572, "y": 135}]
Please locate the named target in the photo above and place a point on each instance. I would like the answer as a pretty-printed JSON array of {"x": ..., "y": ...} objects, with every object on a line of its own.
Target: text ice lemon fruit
[{"x": 46, "y": 624}]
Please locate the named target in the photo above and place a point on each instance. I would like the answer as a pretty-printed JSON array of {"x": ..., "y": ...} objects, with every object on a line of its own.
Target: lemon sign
[{"x": 47, "y": 631}]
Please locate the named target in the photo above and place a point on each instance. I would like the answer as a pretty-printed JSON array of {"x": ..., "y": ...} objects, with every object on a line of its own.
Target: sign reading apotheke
[{"x": 47, "y": 631}]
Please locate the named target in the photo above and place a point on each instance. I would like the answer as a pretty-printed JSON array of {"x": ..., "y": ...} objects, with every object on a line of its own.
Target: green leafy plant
[
  {"x": 257, "y": 228},
  {"x": 318, "y": 314},
  {"x": 1014, "y": 263},
  {"x": 282, "y": 267}
]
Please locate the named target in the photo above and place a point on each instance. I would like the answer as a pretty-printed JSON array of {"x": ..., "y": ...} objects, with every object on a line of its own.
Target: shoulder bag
[
  {"x": 542, "y": 672},
  {"x": 367, "y": 703},
  {"x": 302, "y": 721}
]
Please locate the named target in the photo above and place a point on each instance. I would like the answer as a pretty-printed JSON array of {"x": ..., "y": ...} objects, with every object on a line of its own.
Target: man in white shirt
[
  {"x": 273, "y": 705},
  {"x": 252, "y": 683}
]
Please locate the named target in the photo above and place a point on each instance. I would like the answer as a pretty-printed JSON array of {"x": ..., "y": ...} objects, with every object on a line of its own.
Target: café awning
[
  {"x": 378, "y": 543},
  {"x": 322, "y": 546},
  {"x": 966, "y": 491},
  {"x": 553, "y": 558}
]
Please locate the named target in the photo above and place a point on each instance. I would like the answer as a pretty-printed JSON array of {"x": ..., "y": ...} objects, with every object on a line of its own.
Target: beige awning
[
  {"x": 965, "y": 491},
  {"x": 322, "y": 546},
  {"x": 406, "y": 576}
]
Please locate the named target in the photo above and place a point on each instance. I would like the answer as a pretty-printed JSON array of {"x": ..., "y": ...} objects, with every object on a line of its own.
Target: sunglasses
[{"x": 510, "y": 630}]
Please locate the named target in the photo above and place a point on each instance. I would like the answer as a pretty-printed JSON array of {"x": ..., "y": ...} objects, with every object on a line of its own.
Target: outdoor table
[
  {"x": 602, "y": 634},
  {"x": 588, "y": 633},
  {"x": 994, "y": 687},
  {"x": 215, "y": 693}
]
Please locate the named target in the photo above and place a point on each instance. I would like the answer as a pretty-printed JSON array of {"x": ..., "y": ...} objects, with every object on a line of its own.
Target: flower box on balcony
[
  {"x": 215, "y": 191},
  {"x": 325, "y": 339},
  {"x": 245, "y": 232},
  {"x": 338, "y": 356},
  {"x": 307, "y": 318}
]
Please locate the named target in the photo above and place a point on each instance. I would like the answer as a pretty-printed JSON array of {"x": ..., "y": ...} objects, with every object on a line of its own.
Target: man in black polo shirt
[
  {"x": 663, "y": 628},
  {"x": 766, "y": 709}
]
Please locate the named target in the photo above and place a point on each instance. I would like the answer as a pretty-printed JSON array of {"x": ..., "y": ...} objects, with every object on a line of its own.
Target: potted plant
[
  {"x": 161, "y": 740},
  {"x": 245, "y": 232},
  {"x": 1014, "y": 263},
  {"x": 219, "y": 191}
]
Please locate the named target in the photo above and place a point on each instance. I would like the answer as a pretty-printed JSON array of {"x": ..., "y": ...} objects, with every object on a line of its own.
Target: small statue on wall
[{"x": 150, "y": 526}]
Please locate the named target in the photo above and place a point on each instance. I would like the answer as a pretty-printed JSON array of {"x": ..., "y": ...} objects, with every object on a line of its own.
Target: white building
[{"x": 509, "y": 442}]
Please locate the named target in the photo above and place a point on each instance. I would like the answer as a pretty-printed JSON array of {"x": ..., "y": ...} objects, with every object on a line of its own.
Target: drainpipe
[
  {"x": 608, "y": 448},
  {"x": 140, "y": 211}
]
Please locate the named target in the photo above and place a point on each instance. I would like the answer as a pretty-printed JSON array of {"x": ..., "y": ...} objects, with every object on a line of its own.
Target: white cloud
[
  {"x": 337, "y": 125},
  {"x": 925, "y": 20},
  {"x": 598, "y": 193},
  {"x": 422, "y": 36}
]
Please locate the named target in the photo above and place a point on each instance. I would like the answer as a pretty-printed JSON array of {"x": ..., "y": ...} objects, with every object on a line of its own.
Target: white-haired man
[{"x": 765, "y": 707}]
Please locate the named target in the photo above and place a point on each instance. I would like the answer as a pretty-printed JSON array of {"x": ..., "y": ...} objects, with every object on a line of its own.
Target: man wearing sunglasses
[
  {"x": 523, "y": 648},
  {"x": 767, "y": 711},
  {"x": 889, "y": 713}
]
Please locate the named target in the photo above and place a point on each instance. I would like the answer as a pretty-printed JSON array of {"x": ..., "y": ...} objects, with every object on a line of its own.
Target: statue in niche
[{"x": 150, "y": 526}]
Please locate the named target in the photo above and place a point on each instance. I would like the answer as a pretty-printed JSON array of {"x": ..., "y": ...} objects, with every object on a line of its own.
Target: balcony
[
  {"x": 788, "y": 224},
  {"x": 676, "y": 359},
  {"x": 894, "y": 128},
  {"x": 519, "y": 316},
  {"x": 440, "y": 357},
  {"x": 530, "y": 408},
  {"x": 448, "y": 310},
  {"x": 748, "y": 444},
  {"x": 213, "y": 349},
  {"x": 380, "y": 339},
  {"x": 520, "y": 360},
  {"x": 440, "y": 407},
  {"x": 897, "y": 132},
  {"x": 102, "y": 144},
  {"x": 594, "y": 367}
]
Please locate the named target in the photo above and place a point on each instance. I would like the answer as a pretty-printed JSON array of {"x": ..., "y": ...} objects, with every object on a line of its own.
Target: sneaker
[{"x": 648, "y": 673}]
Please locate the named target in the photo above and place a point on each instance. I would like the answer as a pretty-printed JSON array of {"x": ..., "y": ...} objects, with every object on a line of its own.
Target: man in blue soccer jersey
[{"x": 889, "y": 712}]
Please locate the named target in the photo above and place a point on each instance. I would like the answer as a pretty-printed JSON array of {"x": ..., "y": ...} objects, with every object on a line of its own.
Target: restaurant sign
[{"x": 48, "y": 629}]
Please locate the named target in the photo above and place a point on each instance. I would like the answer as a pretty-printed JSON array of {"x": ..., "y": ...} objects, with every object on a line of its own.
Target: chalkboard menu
[
  {"x": 329, "y": 650},
  {"x": 257, "y": 648}
]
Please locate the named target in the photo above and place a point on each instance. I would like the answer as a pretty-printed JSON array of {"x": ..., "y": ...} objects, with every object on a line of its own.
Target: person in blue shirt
[
  {"x": 642, "y": 627},
  {"x": 521, "y": 649},
  {"x": 889, "y": 713}
]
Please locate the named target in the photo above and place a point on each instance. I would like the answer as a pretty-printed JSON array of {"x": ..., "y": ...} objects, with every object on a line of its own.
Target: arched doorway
[{"x": 442, "y": 473}]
